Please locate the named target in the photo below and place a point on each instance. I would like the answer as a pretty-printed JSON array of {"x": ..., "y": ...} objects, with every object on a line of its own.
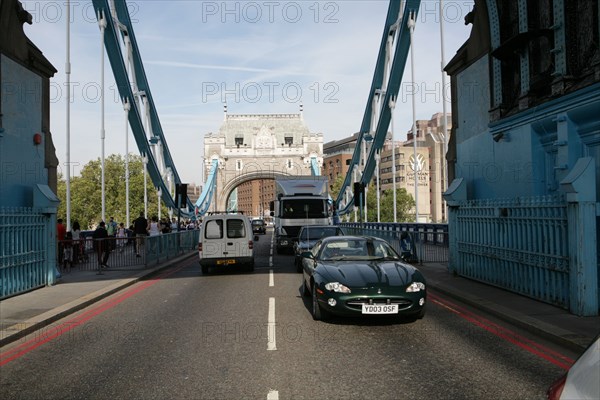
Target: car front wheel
[{"x": 318, "y": 313}]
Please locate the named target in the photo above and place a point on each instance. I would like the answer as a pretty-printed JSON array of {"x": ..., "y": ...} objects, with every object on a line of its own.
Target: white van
[{"x": 225, "y": 240}]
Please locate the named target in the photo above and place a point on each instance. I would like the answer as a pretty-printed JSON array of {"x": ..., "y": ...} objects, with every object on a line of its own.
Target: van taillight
[
  {"x": 250, "y": 244},
  {"x": 200, "y": 246}
]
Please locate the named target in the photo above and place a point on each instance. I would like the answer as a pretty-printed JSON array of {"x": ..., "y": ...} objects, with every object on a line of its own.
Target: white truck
[{"x": 299, "y": 201}]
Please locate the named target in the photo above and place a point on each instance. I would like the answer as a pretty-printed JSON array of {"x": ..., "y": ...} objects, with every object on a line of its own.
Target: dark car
[
  {"x": 308, "y": 236},
  {"x": 358, "y": 275},
  {"x": 259, "y": 226}
]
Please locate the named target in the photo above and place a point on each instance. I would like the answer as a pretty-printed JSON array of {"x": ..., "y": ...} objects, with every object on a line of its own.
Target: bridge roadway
[{"x": 185, "y": 335}]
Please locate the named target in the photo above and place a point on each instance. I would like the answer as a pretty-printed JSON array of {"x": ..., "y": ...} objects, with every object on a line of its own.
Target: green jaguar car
[{"x": 361, "y": 276}]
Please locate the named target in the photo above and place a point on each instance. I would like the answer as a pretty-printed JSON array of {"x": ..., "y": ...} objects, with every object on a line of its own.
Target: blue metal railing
[
  {"x": 518, "y": 244},
  {"x": 27, "y": 249},
  {"x": 430, "y": 241}
]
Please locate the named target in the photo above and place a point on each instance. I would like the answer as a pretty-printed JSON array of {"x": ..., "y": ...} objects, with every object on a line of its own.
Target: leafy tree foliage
[
  {"x": 86, "y": 192},
  {"x": 405, "y": 205}
]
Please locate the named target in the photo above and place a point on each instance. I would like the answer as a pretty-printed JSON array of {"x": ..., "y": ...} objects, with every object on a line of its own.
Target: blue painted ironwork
[
  {"x": 27, "y": 249},
  {"x": 314, "y": 167},
  {"x": 430, "y": 240},
  {"x": 519, "y": 244},
  {"x": 115, "y": 55},
  {"x": 205, "y": 198},
  {"x": 560, "y": 45},
  {"x": 166, "y": 246},
  {"x": 524, "y": 56},
  {"x": 392, "y": 23},
  {"x": 494, "y": 21}
]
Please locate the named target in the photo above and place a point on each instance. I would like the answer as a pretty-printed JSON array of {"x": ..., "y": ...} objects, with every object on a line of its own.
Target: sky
[{"x": 261, "y": 57}]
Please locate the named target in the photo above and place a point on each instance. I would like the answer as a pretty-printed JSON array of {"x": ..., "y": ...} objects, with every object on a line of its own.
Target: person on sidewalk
[
  {"x": 61, "y": 231},
  {"x": 112, "y": 228},
  {"x": 140, "y": 228},
  {"x": 101, "y": 245},
  {"x": 121, "y": 237}
]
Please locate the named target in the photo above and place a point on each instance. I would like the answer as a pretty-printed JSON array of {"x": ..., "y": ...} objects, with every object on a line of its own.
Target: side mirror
[{"x": 307, "y": 254}]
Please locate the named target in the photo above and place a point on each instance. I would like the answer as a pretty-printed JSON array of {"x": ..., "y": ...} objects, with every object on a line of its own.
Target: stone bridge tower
[{"x": 259, "y": 146}]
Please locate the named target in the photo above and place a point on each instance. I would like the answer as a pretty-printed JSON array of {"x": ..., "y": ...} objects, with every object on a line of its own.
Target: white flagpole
[
  {"x": 102, "y": 23},
  {"x": 68, "y": 115},
  {"x": 445, "y": 122},
  {"x": 411, "y": 27}
]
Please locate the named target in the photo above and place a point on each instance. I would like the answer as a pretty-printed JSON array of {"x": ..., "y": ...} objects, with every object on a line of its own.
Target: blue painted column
[
  {"x": 454, "y": 196},
  {"x": 47, "y": 202},
  {"x": 580, "y": 186}
]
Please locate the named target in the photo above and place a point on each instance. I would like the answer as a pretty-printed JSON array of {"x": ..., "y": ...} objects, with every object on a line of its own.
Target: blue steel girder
[
  {"x": 203, "y": 202},
  {"x": 395, "y": 78},
  {"x": 115, "y": 56},
  {"x": 314, "y": 167}
]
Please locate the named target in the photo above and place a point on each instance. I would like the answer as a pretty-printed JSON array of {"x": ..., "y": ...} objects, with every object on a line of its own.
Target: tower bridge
[
  {"x": 259, "y": 146},
  {"x": 536, "y": 236}
]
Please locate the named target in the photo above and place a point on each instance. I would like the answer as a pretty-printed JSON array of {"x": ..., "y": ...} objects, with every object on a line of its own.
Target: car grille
[{"x": 357, "y": 303}]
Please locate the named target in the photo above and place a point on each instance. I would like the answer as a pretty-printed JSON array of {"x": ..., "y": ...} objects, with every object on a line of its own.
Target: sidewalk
[
  {"x": 26, "y": 313},
  {"x": 548, "y": 321}
]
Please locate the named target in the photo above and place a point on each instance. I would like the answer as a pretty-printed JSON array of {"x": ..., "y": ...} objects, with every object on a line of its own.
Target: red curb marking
[
  {"x": 539, "y": 350},
  {"x": 65, "y": 327}
]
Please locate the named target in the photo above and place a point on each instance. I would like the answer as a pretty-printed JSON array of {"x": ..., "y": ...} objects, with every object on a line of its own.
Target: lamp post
[
  {"x": 445, "y": 121},
  {"x": 368, "y": 138},
  {"x": 126, "y": 107},
  {"x": 102, "y": 24},
  {"x": 392, "y": 107},
  {"x": 159, "y": 195},
  {"x": 68, "y": 115},
  {"x": 411, "y": 27},
  {"x": 145, "y": 161}
]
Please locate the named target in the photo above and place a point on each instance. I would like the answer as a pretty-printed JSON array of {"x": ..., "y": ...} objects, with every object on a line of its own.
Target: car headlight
[
  {"x": 415, "y": 287},
  {"x": 337, "y": 287}
]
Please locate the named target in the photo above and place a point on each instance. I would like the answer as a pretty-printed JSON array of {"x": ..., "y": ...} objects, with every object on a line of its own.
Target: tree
[
  {"x": 86, "y": 192},
  {"x": 404, "y": 205}
]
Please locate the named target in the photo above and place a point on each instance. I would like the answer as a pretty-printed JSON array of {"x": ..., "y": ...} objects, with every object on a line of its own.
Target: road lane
[{"x": 207, "y": 337}]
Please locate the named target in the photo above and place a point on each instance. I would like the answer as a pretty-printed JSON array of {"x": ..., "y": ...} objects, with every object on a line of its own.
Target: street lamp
[
  {"x": 367, "y": 138},
  {"x": 159, "y": 194},
  {"x": 145, "y": 160}
]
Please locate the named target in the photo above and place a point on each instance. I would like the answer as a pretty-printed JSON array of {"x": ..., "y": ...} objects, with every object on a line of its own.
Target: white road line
[
  {"x": 271, "y": 279},
  {"x": 271, "y": 345},
  {"x": 271, "y": 261},
  {"x": 273, "y": 395}
]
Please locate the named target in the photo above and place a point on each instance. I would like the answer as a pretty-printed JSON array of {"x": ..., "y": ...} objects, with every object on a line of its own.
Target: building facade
[
  {"x": 429, "y": 164},
  {"x": 524, "y": 153},
  {"x": 28, "y": 177},
  {"x": 259, "y": 147}
]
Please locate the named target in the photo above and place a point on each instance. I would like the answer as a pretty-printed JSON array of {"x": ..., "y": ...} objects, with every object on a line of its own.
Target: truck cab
[{"x": 300, "y": 201}]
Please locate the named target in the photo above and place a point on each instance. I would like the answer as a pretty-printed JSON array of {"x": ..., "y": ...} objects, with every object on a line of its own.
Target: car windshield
[
  {"x": 318, "y": 233},
  {"x": 357, "y": 249},
  {"x": 258, "y": 222}
]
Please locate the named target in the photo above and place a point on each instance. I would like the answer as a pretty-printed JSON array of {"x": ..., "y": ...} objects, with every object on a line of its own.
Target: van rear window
[
  {"x": 236, "y": 228},
  {"x": 214, "y": 229}
]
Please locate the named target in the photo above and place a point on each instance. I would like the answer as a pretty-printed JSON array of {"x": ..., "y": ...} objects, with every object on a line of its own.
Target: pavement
[{"x": 26, "y": 313}]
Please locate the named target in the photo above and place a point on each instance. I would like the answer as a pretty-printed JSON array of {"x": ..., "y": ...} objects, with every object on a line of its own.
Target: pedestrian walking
[
  {"x": 68, "y": 252},
  {"x": 77, "y": 248},
  {"x": 154, "y": 227},
  {"x": 111, "y": 228},
  {"x": 101, "y": 245},
  {"x": 61, "y": 231},
  {"x": 140, "y": 228},
  {"x": 121, "y": 237}
]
